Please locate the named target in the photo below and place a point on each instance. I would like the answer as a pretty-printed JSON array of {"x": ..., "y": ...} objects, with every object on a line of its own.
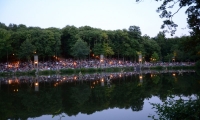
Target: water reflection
[{"x": 28, "y": 97}]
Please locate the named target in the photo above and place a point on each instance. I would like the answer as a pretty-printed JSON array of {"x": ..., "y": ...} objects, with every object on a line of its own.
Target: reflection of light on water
[{"x": 15, "y": 90}]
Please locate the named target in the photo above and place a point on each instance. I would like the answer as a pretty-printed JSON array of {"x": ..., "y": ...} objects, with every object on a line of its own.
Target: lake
[{"x": 122, "y": 95}]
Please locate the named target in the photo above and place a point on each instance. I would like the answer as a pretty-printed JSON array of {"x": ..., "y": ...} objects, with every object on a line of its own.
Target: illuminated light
[
  {"x": 151, "y": 75},
  {"x": 36, "y": 84},
  {"x": 13, "y": 54},
  {"x": 14, "y": 90},
  {"x": 102, "y": 80},
  {"x": 75, "y": 78},
  {"x": 35, "y": 62},
  {"x": 174, "y": 74},
  {"x": 120, "y": 75},
  {"x": 119, "y": 62},
  {"x": 9, "y": 81},
  {"x": 17, "y": 90},
  {"x": 140, "y": 77}
]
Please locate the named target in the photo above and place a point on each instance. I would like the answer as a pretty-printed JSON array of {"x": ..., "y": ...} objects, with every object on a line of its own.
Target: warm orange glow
[
  {"x": 102, "y": 80},
  {"x": 174, "y": 74},
  {"x": 151, "y": 75},
  {"x": 9, "y": 81},
  {"x": 140, "y": 77},
  {"x": 36, "y": 84}
]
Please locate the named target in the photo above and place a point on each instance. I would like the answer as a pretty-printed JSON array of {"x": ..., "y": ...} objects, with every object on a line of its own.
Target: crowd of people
[{"x": 73, "y": 64}]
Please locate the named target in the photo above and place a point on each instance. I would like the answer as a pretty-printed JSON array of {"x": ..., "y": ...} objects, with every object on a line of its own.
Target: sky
[{"x": 103, "y": 14}]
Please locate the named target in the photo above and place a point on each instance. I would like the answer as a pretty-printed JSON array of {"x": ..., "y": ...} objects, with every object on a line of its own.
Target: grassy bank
[{"x": 171, "y": 67}]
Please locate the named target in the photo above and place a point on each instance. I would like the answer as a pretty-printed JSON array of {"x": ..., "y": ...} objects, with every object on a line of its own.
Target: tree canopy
[{"x": 21, "y": 42}]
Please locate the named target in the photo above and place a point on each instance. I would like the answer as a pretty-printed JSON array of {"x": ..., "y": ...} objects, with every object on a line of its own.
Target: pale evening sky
[{"x": 103, "y": 14}]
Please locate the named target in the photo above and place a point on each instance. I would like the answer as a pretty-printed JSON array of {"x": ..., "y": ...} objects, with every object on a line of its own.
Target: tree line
[{"x": 19, "y": 42}]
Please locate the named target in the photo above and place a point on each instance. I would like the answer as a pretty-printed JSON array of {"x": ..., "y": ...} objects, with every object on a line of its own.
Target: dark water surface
[{"x": 99, "y": 96}]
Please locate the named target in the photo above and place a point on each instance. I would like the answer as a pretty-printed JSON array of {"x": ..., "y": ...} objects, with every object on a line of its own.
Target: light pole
[
  {"x": 140, "y": 60},
  {"x": 36, "y": 63},
  {"x": 101, "y": 60}
]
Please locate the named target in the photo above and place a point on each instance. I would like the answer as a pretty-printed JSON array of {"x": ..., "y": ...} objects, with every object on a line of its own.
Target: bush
[
  {"x": 70, "y": 71},
  {"x": 197, "y": 65}
]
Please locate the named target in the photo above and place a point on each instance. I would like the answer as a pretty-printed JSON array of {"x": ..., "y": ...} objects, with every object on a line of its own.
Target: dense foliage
[
  {"x": 19, "y": 42},
  {"x": 167, "y": 10}
]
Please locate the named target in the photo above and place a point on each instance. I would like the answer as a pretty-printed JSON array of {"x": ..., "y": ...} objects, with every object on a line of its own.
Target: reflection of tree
[
  {"x": 25, "y": 104},
  {"x": 178, "y": 109},
  {"x": 80, "y": 94},
  {"x": 72, "y": 98},
  {"x": 137, "y": 105}
]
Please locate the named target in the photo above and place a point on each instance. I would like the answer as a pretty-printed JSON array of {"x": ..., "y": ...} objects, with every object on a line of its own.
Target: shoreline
[{"x": 93, "y": 70}]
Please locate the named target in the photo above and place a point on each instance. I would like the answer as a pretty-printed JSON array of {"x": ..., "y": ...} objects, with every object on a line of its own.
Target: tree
[
  {"x": 192, "y": 11},
  {"x": 5, "y": 45},
  {"x": 80, "y": 49},
  {"x": 107, "y": 50},
  {"x": 68, "y": 39},
  {"x": 177, "y": 109},
  {"x": 26, "y": 49},
  {"x": 154, "y": 57},
  {"x": 134, "y": 32},
  {"x": 98, "y": 49}
]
